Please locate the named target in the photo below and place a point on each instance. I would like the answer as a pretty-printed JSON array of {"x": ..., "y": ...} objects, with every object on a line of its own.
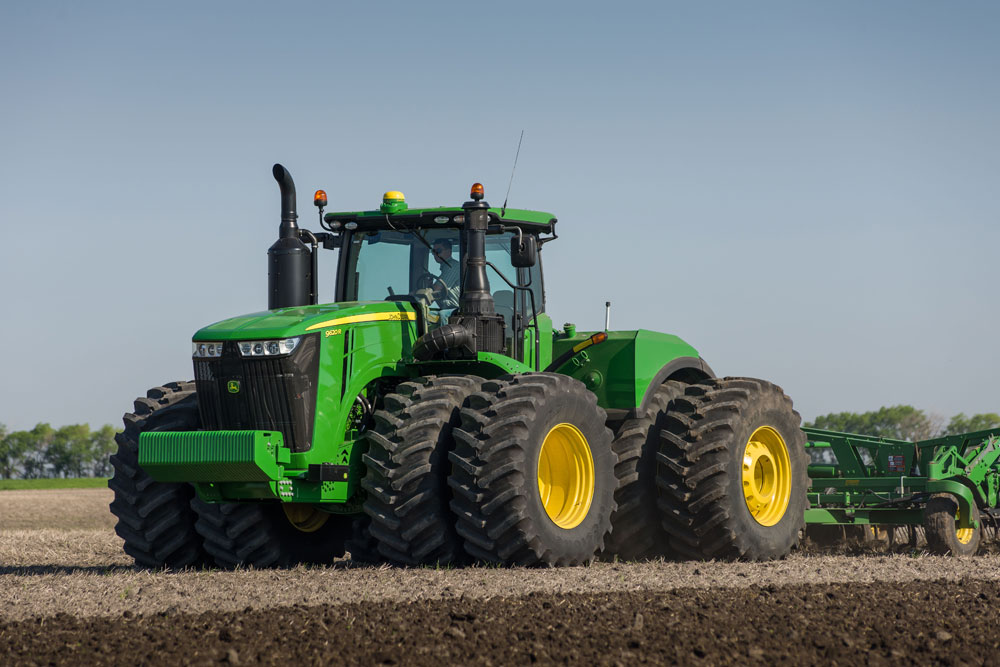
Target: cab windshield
[{"x": 423, "y": 263}]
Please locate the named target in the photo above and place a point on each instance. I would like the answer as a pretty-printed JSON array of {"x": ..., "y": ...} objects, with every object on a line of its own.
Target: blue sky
[{"x": 807, "y": 192}]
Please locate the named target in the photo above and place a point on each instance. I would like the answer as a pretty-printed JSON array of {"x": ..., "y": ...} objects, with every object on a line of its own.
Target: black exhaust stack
[{"x": 289, "y": 265}]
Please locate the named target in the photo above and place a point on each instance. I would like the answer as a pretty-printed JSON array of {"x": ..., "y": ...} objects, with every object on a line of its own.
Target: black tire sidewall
[
  {"x": 578, "y": 543},
  {"x": 767, "y": 541}
]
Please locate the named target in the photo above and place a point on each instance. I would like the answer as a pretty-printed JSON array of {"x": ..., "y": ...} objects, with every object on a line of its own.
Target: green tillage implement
[{"x": 893, "y": 482}]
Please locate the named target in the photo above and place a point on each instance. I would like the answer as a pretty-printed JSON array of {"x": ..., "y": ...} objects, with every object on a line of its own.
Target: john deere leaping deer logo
[{"x": 233, "y": 386}]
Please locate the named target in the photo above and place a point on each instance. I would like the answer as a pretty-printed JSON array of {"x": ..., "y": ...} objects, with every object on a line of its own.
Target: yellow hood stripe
[{"x": 392, "y": 316}]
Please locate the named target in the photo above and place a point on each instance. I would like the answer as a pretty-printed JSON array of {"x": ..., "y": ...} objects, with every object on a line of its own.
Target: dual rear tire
[
  {"x": 732, "y": 472},
  {"x": 713, "y": 470}
]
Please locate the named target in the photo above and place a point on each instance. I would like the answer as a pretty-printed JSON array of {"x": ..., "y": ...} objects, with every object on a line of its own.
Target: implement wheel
[
  {"x": 732, "y": 471},
  {"x": 636, "y": 529},
  {"x": 270, "y": 535},
  {"x": 533, "y": 472},
  {"x": 944, "y": 537},
  {"x": 407, "y": 479},
  {"x": 155, "y": 518}
]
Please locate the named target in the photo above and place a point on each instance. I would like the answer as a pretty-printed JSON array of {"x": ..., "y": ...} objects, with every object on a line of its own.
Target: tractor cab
[{"x": 421, "y": 256}]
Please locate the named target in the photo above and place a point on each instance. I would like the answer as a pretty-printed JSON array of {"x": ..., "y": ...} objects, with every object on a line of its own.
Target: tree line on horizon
[
  {"x": 78, "y": 451},
  {"x": 45, "y": 451},
  {"x": 904, "y": 422}
]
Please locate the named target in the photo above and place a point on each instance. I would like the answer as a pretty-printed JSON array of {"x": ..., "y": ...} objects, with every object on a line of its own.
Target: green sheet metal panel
[{"x": 620, "y": 369}]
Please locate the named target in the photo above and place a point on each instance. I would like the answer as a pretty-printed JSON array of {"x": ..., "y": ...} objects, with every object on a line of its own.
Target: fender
[{"x": 685, "y": 369}]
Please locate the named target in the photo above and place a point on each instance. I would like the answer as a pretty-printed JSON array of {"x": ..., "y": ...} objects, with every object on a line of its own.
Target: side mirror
[{"x": 523, "y": 251}]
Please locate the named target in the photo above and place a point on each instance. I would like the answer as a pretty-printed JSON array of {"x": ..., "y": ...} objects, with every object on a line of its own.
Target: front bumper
[{"x": 239, "y": 465}]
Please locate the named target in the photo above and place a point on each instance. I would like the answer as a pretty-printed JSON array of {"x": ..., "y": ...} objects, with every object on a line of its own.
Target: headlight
[
  {"x": 201, "y": 350},
  {"x": 268, "y": 348}
]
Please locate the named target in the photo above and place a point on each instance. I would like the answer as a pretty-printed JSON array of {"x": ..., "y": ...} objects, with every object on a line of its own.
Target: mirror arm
[
  {"x": 552, "y": 230},
  {"x": 517, "y": 229}
]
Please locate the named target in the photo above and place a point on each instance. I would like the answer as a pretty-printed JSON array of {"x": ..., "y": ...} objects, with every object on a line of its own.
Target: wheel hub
[
  {"x": 305, "y": 518},
  {"x": 767, "y": 476},
  {"x": 963, "y": 535},
  {"x": 566, "y": 476}
]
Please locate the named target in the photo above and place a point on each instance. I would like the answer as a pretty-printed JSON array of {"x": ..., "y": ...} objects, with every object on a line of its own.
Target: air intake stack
[
  {"x": 289, "y": 266},
  {"x": 476, "y": 311}
]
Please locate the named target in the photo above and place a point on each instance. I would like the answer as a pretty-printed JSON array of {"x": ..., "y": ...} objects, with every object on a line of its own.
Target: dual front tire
[
  {"x": 155, "y": 519},
  {"x": 165, "y": 525},
  {"x": 533, "y": 472},
  {"x": 517, "y": 470},
  {"x": 270, "y": 535}
]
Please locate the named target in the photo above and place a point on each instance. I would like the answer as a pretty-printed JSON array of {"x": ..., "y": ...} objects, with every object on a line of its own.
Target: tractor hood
[{"x": 286, "y": 322}]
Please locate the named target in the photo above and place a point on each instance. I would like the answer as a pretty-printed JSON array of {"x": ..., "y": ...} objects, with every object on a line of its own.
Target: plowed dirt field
[{"x": 69, "y": 596}]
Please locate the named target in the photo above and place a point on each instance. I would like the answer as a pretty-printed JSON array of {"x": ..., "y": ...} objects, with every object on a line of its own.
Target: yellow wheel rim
[
  {"x": 767, "y": 476},
  {"x": 306, "y": 518},
  {"x": 566, "y": 476},
  {"x": 963, "y": 535}
]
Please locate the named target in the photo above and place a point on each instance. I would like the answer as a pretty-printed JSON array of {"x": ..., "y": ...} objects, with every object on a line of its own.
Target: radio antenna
[{"x": 503, "y": 210}]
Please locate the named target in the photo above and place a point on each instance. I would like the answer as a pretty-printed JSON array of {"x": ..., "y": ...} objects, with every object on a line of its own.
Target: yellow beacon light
[{"x": 393, "y": 201}]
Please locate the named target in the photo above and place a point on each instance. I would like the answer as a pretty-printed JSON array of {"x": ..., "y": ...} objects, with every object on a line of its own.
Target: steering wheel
[{"x": 426, "y": 280}]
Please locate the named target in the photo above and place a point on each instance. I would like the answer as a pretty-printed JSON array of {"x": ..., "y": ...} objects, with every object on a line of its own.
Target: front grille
[{"x": 274, "y": 394}]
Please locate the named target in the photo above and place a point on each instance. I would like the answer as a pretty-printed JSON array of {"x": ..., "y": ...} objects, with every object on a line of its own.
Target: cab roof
[{"x": 537, "y": 221}]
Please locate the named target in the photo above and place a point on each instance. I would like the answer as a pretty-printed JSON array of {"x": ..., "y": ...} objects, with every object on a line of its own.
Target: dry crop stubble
[
  {"x": 76, "y": 582},
  {"x": 56, "y": 509},
  {"x": 59, "y": 554},
  {"x": 99, "y": 591}
]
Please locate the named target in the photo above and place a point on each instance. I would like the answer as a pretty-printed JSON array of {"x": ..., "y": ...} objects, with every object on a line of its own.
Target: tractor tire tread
[
  {"x": 694, "y": 471},
  {"x": 488, "y": 472},
  {"x": 939, "y": 527},
  {"x": 154, "y": 518},
  {"x": 637, "y": 533},
  {"x": 407, "y": 466}
]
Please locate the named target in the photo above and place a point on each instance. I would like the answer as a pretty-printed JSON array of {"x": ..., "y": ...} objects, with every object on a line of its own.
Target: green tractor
[{"x": 432, "y": 414}]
